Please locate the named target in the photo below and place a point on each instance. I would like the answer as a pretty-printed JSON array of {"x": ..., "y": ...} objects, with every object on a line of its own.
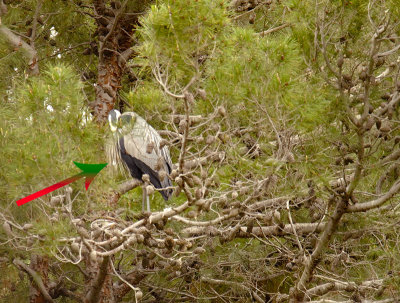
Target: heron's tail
[
  {"x": 114, "y": 158},
  {"x": 166, "y": 193}
]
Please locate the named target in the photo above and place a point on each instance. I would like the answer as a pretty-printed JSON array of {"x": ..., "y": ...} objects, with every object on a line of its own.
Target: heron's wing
[
  {"x": 136, "y": 144},
  {"x": 137, "y": 168},
  {"x": 142, "y": 128},
  {"x": 161, "y": 152}
]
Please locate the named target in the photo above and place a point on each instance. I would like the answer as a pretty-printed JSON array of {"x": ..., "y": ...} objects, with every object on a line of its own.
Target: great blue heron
[{"x": 136, "y": 147}]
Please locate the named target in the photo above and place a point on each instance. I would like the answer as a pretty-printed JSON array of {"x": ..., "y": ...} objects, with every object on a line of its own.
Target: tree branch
[
  {"x": 361, "y": 207},
  {"x": 312, "y": 261},
  {"x": 94, "y": 294},
  {"x": 17, "y": 43},
  {"x": 264, "y": 232},
  {"x": 35, "y": 277},
  {"x": 274, "y": 29}
]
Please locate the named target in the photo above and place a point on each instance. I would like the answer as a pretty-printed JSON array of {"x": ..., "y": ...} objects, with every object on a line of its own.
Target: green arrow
[
  {"x": 89, "y": 171},
  {"x": 90, "y": 168}
]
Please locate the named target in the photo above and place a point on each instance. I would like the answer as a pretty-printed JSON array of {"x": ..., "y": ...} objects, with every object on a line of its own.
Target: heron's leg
[
  {"x": 144, "y": 191},
  {"x": 148, "y": 203}
]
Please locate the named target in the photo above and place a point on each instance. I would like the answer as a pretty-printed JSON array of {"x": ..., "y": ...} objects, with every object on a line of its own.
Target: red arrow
[{"x": 89, "y": 171}]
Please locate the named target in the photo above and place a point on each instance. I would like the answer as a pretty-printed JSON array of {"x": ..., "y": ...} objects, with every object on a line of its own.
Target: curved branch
[{"x": 360, "y": 207}]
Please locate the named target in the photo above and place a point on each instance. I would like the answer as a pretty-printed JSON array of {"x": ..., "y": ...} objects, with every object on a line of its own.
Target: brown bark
[
  {"x": 108, "y": 83},
  {"x": 99, "y": 286},
  {"x": 39, "y": 265},
  {"x": 115, "y": 27},
  {"x": 311, "y": 262}
]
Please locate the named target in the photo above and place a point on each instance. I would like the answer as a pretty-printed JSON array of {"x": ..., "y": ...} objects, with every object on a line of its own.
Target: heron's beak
[{"x": 116, "y": 126}]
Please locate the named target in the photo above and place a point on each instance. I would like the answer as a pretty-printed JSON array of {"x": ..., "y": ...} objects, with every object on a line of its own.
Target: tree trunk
[
  {"x": 114, "y": 28},
  {"x": 108, "y": 83}
]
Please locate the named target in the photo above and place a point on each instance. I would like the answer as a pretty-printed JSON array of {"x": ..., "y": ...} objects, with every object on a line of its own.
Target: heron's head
[{"x": 121, "y": 123}]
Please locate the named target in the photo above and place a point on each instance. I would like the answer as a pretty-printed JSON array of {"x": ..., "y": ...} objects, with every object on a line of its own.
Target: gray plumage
[{"x": 136, "y": 148}]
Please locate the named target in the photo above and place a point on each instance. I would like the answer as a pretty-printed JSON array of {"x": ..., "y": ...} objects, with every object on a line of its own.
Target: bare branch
[
  {"x": 275, "y": 29},
  {"x": 361, "y": 207},
  {"x": 265, "y": 231}
]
